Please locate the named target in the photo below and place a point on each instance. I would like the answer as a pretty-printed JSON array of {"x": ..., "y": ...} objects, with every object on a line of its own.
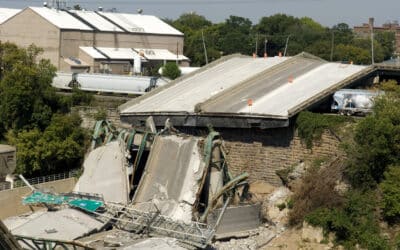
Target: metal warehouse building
[{"x": 93, "y": 41}]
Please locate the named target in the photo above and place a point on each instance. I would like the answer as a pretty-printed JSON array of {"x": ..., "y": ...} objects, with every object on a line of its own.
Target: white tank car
[
  {"x": 352, "y": 101},
  {"x": 107, "y": 83}
]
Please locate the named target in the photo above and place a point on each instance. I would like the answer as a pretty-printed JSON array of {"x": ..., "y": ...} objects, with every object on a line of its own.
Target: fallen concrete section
[
  {"x": 105, "y": 173},
  {"x": 172, "y": 177},
  {"x": 236, "y": 220},
  {"x": 66, "y": 224}
]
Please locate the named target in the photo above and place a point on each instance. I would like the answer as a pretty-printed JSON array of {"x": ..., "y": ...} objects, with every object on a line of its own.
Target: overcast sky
[{"x": 326, "y": 12}]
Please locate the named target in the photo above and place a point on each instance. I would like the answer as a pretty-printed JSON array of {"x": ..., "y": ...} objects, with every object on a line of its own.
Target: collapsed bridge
[{"x": 145, "y": 182}]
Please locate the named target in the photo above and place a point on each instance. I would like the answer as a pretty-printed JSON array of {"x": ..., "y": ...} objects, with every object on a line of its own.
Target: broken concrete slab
[
  {"x": 66, "y": 224},
  {"x": 236, "y": 220},
  {"x": 155, "y": 243},
  {"x": 105, "y": 173},
  {"x": 171, "y": 178}
]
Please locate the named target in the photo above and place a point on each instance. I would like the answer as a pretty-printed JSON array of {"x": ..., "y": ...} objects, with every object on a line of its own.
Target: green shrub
[
  {"x": 100, "y": 115},
  {"x": 310, "y": 125},
  {"x": 376, "y": 143},
  {"x": 391, "y": 194},
  {"x": 355, "y": 222},
  {"x": 283, "y": 174},
  {"x": 171, "y": 70},
  {"x": 317, "y": 191},
  {"x": 80, "y": 97},
  {"x": 61, "y": 146},
  {"x": 281, "y": 206}
]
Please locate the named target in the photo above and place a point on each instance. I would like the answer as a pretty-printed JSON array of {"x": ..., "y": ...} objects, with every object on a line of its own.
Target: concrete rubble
[
  {"x": 172, "y": 177},
  {"x": 66, "y": 224},
  {"x": 154, "y": 201},
  {"x": 105, "y": 173}
]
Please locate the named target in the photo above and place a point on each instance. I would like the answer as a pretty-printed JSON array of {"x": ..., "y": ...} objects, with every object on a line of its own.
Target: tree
[
  {"x": 171, "y": 70},
  {"x": 387, "y": 40},
  {"x": 60, "y": 147},
  {"x": 343, "y": 34},
  {"x": 27, "y": 99},
  {"x": 276, "y": 29},
  {"x": 391, "y": 193},
  {"x": 350, "y": 53},
  {"x": 235, "y": 36},
  {"x": 377, "y": 140},
  {"x": 192, "y": 25},
  {"x": 77, "y": 7}
]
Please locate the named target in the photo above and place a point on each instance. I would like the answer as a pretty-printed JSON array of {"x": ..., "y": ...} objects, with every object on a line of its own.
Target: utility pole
[
  {"x": 371, "y": 25},
  {"x": 332, "y": 44},
  {"x": 204, "y": 46},
  {"x": 265, "y": 46},
  {"x": 256, "y": 44},
  {"x": 287, "y": 41}
]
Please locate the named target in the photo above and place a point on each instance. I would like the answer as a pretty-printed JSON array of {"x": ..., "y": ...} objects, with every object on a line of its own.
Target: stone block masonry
[
  {"x": 89, "y": 114},
  {"x": 262, "y": 152}
]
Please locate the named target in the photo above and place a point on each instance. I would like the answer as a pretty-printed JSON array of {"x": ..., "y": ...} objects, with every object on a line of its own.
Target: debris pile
[{"x": 145, "y": 184}]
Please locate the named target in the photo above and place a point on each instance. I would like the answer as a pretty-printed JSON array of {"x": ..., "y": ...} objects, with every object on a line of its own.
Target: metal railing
[
  {"x": 5, "y": 185},
  {"x": 41, "y": 179}
]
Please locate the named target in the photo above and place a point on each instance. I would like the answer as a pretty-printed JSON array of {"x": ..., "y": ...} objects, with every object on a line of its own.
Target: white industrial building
[{"x": 94, "y": 41}]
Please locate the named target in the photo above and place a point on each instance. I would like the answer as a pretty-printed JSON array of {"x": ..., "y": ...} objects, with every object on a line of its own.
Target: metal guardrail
[{"x": 40, "y": 179}]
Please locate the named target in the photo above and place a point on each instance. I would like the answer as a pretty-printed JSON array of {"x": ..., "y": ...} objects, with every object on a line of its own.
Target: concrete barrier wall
[{"x": 11, "y": 200}]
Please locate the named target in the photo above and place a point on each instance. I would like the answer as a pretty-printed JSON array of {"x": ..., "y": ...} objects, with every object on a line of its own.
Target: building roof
[
  {"x": 141, "y": 23},
  {"x": 130, "y": 53},
  {"x": 61, "y": 18},
  {"x": 101, "y": 21},
  {"x": 160, "y": 54},
  {"x": 238, "y": 91},
  {"x": 118, "y": 53},
  {"x": 6, "y": 13},
  {"x": 97, "y": 21},
  {"x": 92, "y": 52}
]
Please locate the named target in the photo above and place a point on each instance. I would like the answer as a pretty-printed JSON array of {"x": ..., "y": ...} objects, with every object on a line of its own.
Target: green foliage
[
  {"x": 317, "y": 191},
  {"x": 281, "y": 206},
  {"x": 311, "y": 125},
  {"x": 80, "y": 97},
  {"x": 387, "y": 40},
  {"x": 27, "y": 100},
  {"x": 376, "y": 141},
  {"x": 59, "y": 147},
  {"x": 350, "y": 53},
  {"x": 100, "y": 115},
  {"x": 283, "y": 174},
  {"x": 235, "y": 36},
  {"x": 171, "y": 70},
  {"x": 355, "y": 222},
  {"x": 239, "y": 35},
  {"x": 390, "y": 188}
]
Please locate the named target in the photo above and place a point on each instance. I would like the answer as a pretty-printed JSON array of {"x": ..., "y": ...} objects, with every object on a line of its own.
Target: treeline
[
  {"x": 272, "y": 34},
  {"x": 34, "y": 118}
]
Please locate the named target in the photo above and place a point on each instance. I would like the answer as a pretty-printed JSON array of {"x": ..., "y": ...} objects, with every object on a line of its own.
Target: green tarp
[
  {"x": 88, "y": 205},
  {"x": 52, "y": 199}
]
